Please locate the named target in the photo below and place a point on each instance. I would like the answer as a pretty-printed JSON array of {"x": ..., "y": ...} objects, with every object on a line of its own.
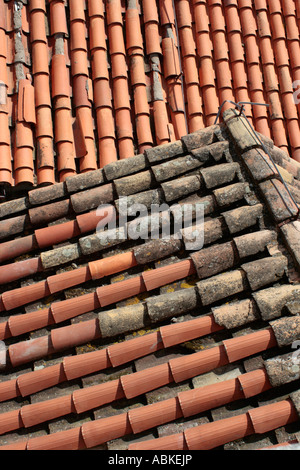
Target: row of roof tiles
[
  {"x": 247, "y": 245},
  {"x": 185, "y": 404},
  {"x": 236, "y": 314},
  {"x": 87, "y": 78}
]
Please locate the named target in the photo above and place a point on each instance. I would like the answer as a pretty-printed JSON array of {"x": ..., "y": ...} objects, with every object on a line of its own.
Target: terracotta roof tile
[
  {"x": 99, "y": 395},
  {"x": 77, "y": 366},
  {"x": 95, "y": 433},
  {"x": 264, "y": 418}
]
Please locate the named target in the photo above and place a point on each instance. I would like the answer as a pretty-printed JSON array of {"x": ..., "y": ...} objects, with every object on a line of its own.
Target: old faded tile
[
  {"x": 200, "y": 138},
  {"x": 240, "y": 130},
  {"x": 230, "y": 194},
  {"x": 282, "y": 369},
  {"x": 131, "y": 205},
  {"x": 46, "y": 194},
  {"x": 291, "y": 234},
  {"x": 156, "y": 249},
  {"x": 11, "y": 207},
  {"x": 14, "y": 225},
  {"x": 220, "y": 174},
  {"x": 208, "y": 202},
  {"x": 214, "y": 259},
  {"x": 169, "y": 305},
  {"x": 101, "y": 240},
  {"x": 164, "y": 152},
  {"x": 236, "y": 314},
  {"x": 221, "y": 286},
  {"x": 218, "y": 150},
  {"x": 92, "y": 198},
  {"x": 286, "y": 330},
  {"x": 295, "y": 397},
  {"x": 254, "y": 363},
  {"x": 125, "y": 167},
  {"x": 254, "y": 243},
  {"x": 134, "y": 183},
  {"x": 121, "y": 320},
  {"x": 181, "y": 187},
  {"x": 84, "y": 181},
  {"x": 244, "y": 217},
  {"x": 265, "y": 271},
  {"x": 272, "y": 302},
  {"x": 61, "y": 255},
  {"x": 259, "y": 164},
  {"x": 50, "y": 212},
  {"x": 178, "y": 166},
  {"x": 278, "y": 200}
]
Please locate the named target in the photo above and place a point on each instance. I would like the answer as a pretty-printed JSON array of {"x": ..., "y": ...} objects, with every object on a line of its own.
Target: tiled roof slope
[
  {"x": 83, "y": 83},
  {"x": 148, "y": 344}
]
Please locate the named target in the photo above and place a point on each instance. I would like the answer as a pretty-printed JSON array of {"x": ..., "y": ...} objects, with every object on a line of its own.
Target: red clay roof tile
[
  {"x": 254, "y": 383},
  {"x": 115, "y": 293},
  {"x": 198, "y": 363},
  {"x": 20, "y": 324},
  {"x": 256, "y": 342},
  {"x": 68, "y": 279},
  {"x": 214, "y": 434},
  {"x": 33, "y": 382},
  {"x": 58, "y": 18},
  {"x": 142, "y": 382},
  {"x": 98, "y": 432},
  {"x": 172, "y": 442},
  {"x": 147, "y": 417},
  {"x": 30, "y": 350},
  {"x": 55, "y": 234},
  {"x": 4, "y": 330},
  {"x": 14, "y": 248},
  {"x": 272, "y": 416},
  {"x": 36, "y": 413},
  {"x": 69, "y": 440},
  {"x": 9, "y": 389},
  {"x": 12, "y": 299},
  {"x": 73, "y": 335},
  {"x": 10, "y": 421},
  {"x": 98, "y": 395},
  {"x": 70, "y": 308},
  {"x": 78, "y": 366},
  {"x": 132, "y": 349},
  {"x": 112, "y": 265},
  {"x": 212, "y": 396},
  {"x": 185, "y": 331}
]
